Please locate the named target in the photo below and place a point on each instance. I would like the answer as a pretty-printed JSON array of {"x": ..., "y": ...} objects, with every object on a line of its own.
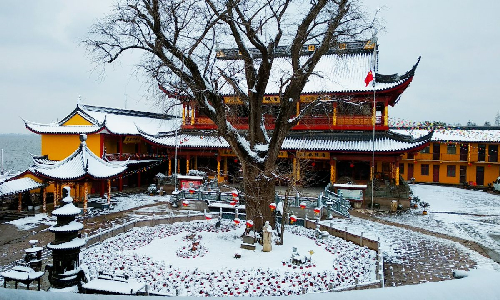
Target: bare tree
[{"x": 180, "y": 40}]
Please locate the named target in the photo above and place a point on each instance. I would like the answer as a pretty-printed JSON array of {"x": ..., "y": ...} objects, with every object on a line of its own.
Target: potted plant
[{"x": 424, "y": 205}]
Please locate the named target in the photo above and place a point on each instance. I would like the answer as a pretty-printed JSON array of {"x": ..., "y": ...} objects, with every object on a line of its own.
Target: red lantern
[
  {"x": 235, "y": 194},
  {"x": 207, "y": 217},
  {"x": 302, "y": 205},
  {"x": 272, "y": 206},
  {"x": 313, "y": 164},
  {"x": 235, "y": 160},
  {"x": 293, "y": 219},
  {"x": 185, "y": 203},
  {"x": 233, "y": 203},
  {"x": 237, "y": 221},
  {"x": 249, "y": 224},
  {"x": 191, "y": 191},
  {"x": 351, "y": 165},
  {"x": 317, "y": 210}
]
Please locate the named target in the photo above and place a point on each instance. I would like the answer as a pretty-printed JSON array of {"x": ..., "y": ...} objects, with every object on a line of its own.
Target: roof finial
[
  {"x": 79, "y": 101},
  {"x": 83, "y": 138}
]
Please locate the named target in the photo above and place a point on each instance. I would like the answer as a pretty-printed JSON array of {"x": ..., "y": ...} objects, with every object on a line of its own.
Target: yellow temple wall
[
  {"x": 77, "y": 120},
  {"x": 60, "y": 146}
]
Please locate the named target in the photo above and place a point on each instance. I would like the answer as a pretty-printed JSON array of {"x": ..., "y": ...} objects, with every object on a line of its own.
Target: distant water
[{"x": 17, "y": 150}]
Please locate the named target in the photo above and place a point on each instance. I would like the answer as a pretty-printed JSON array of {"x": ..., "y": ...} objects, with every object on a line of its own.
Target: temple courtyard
[{"x": 460, "y": 232}]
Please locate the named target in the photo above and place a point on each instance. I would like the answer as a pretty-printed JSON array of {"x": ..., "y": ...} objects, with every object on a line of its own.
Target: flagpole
[{"x": 374, "y": 117}]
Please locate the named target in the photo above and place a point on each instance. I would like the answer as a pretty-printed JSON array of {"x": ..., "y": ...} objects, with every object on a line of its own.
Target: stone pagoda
[{"x": 66, "y": 271}]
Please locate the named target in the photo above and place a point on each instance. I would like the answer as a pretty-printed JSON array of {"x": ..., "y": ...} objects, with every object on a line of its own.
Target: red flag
[{"x": 369, "y": 78}]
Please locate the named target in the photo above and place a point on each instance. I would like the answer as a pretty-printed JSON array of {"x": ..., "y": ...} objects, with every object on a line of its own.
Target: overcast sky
[{"x": 43, "y": 69}]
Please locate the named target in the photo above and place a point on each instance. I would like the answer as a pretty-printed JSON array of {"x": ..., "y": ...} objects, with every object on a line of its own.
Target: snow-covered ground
[
  {"x": 468, "y": 214},
  {"x": 163, "y": 257},
  {"x": 480, "y": 284},
  {"x": 464, "y": 213},
  {"x": 119, "y": 203}
]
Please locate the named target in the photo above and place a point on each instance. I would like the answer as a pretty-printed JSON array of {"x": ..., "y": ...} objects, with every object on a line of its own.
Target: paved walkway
[{"x": 424, "y": 260}]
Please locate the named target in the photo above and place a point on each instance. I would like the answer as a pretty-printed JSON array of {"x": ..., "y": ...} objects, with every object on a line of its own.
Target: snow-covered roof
[
  {"x": 335, "y": 73},
  {"x": 18, "y": 186},
  {"x": 335, "y": 141},
  {"x": 22, "y": 273},
  {"x": 456, "y": 134},
  {"x": 128, "y": 287},
  {"x": 66, "y": 210},
  {"x": 74, "y": 243},
  {"x": 188, "y": 140},
  {"x": 82, "y": 163},
  {"x": 71, "y": 226},
  {"x": 121, "y": 121},
  {"x": 110, "y": 120},
  {"x": 55, "y": 128}
]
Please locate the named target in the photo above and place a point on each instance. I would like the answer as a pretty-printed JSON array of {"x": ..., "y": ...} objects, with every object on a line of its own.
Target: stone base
[{"x": 247, "y": 246}]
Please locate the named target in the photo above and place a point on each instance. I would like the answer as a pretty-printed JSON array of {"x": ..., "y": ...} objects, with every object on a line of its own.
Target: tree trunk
[{"x": 259, "y": 189}]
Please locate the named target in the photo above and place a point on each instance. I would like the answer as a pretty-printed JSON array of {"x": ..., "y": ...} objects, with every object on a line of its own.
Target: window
[
  {"x": 493, "y": 153},
  {"x": 424, "y": 169},
  {"x": 450, "y": 171},
  {"x": 481, "y": 152},
  {"x": 401, "y": 168},
  {"x": 426, "y": 150},
  {"x": 451, "y": 149}
]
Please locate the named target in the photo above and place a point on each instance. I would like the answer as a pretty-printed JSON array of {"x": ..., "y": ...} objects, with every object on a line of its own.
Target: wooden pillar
[
  {"x": 386, "y": 115},
  {"x": 188, "y": 158},
  {"x": 78, "y": 192},
  {"x": 334, "y": 121},
  {"x": 19, "y": 202},
  {"x": 196, "y": 162},
  {"x": 397, "y": 173},
  {"x": 178, "y": 166},
  {"x": 192, "y": 115},
  {"x": 85, "y": 196},
  {"x": 44, "y": 199},
  {"x": 333, "y": 171},
  {"x": 372, "y": 171},
  {"x": 184, "y": 114},
  {"x": 109, "y": 191},
  {"x": 218, "y": 170},
  {"x": 120, "y": 184},
  {"x": 374, "y": 115},
  {"x": 169, "y": 167}
]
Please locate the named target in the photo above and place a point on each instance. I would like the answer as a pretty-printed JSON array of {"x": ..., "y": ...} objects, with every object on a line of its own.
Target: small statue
[{"x": 267, "y": 237}]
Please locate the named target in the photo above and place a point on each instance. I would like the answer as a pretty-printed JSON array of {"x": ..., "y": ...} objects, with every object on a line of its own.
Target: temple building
[
  {"x": 340, "y": 140},
  {"x": 459, "y": 156}
]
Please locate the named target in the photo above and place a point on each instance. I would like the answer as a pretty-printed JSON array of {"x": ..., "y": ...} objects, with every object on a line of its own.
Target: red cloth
[{"x": 369, "y": 78}]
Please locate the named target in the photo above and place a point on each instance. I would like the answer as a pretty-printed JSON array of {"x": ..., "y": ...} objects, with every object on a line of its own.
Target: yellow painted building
[{"x": 457, "y": 157}]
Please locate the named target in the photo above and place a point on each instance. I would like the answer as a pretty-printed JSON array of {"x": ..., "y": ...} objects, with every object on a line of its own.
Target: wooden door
[
  {"x": 463, "y": 174},
  {"x": 435, "y": 173},
  {"x": 410, "y": 172},
  {"x": 479, "y": 175}
]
